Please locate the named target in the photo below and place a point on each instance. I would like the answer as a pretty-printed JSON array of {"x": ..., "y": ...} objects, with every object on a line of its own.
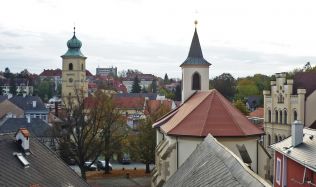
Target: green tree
[
  {"x": 167, "y": 93},
  {"x": 136, "y": 88},
  {"x": 166, "y": 79},
  {"x": 225, "y": 84},
  {"x": 246, "y": 87},
  {"x": 13, "y": 86},
  {"x": 154, "y": 85},
  {"x": 240, "y": 105},
  {"x": 178, "y": 93}
]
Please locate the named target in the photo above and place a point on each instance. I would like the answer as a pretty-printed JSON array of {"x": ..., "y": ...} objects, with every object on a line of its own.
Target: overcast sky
[{"x": 241, "y": 37}]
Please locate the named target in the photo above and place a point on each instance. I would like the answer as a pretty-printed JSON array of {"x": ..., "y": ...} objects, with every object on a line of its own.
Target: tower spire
[{"x": 74, "y": 31}]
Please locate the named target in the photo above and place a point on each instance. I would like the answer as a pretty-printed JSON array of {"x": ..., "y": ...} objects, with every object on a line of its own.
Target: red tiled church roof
[{"x": 207, "y": 112}]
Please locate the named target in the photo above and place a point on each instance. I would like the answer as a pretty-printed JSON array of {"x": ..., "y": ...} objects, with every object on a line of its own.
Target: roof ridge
[
  {"x": 230, "y": 114},
  {"x": 196, "y": 106},
  {"x": 208, "y": 109}
]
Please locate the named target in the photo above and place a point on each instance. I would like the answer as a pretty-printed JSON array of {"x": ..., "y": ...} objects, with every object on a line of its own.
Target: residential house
[
  {"x": 23, "y": 86},
  {"x": 213, "y": 164},
  {"x": 145, "y": 80},
  {"x": 294, "y": 158},
  {"x": 39, "y": 129},
  {"x": 27, "y": 162},
  {"x": 106, "y": 71},
  {"x": 256, "y": 117},
  {"x": 32, "y": 106},
  {"x": 9, "y": 110},
  {"x": 204, "y": 112}
]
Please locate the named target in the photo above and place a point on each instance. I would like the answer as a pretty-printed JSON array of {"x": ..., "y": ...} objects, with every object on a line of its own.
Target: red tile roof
[
  {"x": 129, "y": 102},
  {"x": 207, "y": 112},
  {"x": 153, "y": 105},
  {"x": 257, "y": 113},
  {"x": 51, "y": 72}
]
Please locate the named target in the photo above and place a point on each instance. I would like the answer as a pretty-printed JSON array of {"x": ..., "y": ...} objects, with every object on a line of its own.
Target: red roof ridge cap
[
  {"x": 208, "y": 109},
  {"x": 224, "y": 101}
]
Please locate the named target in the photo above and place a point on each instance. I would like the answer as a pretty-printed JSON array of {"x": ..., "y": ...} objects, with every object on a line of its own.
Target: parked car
[
  {"x": 89, "y": 166},
  {"x": 126, "y": 160},
  {"x": 101, "y": 165}
]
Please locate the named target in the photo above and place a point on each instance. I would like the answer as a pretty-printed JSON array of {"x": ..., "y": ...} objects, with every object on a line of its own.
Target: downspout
[
  {"x": 257, "y": 156},
  {"x": 177, "y": 147}
]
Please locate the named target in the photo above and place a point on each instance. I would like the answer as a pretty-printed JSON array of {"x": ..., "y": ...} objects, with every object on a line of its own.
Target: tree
[
  {"x": 136, "y": 88},
  {"x": 166, "y": 79},
  {"x": 241, "y": 106},
  {"x": 114, "y": 129},
  {"x": 81, "y": 134},
  {"x": 178, "y": 93},
  {"x": 225, "y": 84},
  {"x": 1, "y": 90},
  {"x": 7, "y": 73},
  {"x": 13, "y": 86},
  {"x": 143, "y": 144},
  {"x": 154, "y": 85},
  {"x": 246, "y": 87}
]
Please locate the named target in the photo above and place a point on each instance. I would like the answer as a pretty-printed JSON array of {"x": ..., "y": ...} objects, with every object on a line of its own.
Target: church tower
[
  {"x": 195, "y": 70},
  {"x": 74, "y": 69}
]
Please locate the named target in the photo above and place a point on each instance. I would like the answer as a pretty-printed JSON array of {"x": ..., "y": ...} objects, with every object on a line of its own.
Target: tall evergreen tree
[
  {"x": 13, "y": 86},
  {"x": 166, "y": 79},
  {"x": 154, "y": 86},
  {"x": 136, "y": 88}
]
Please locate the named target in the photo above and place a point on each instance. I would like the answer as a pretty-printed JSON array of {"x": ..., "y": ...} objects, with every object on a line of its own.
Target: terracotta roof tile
[
  {"x": 257, "y": 113},
  {"x": 129, "y": 102},
  {"x": 207, "y": 112}
]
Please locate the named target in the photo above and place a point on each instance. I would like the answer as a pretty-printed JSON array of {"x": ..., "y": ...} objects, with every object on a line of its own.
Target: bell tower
[
  {"x": 73, "y": 70},
  {"x": 195, "y": 69}
]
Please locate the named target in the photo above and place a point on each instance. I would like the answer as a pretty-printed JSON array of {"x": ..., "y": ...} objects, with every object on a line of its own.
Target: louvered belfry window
[{"x": 196, "y": 84}]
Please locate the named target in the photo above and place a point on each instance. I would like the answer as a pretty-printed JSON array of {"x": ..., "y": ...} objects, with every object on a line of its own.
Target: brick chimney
[
  {"x": 23, "y": 137},
  {"x": 297, "y": 133}
]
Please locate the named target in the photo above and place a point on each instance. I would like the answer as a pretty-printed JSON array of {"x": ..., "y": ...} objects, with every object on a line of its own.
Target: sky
[{"x": 241, "y": 37}]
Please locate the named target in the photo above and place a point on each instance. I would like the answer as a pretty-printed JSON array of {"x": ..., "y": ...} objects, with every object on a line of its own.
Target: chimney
[
  {"x": 297, "y": 133},
  {"x": 34, "y": 104},
  {"x": 22, "y": 137},
  {"x": 28, "y": 118}
]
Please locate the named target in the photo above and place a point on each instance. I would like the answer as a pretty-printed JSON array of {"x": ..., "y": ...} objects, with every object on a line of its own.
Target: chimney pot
[
  {"x": 23, "y": 135},
  {"x": 34, "y": 104},
  {"x": 297, "y": 133}
]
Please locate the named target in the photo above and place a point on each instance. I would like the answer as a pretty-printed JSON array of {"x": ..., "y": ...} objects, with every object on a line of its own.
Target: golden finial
[{"x": 195, "y": 23}]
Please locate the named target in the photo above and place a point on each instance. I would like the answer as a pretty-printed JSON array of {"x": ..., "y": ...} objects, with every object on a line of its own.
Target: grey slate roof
[
  {"x": 26, "y": 104},
  {"x": 37, "y": 126},
  {"x": 151, "y": 96},
  {"x": 195, "y": 56},
  {"x": 212, "y": 164},
  {"x": 45, "y": 168},
  {"x": 2, "y": 98},
  {"x": 304, "y": 153}
]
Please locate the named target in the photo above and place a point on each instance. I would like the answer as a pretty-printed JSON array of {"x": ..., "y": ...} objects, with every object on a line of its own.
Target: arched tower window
[
  {"x": 276, "y": 117},
  {"x": 196, "y": 81},
  {"x": 280, "y": 116},
  {"x": 285, "y": 117},
  {"x": 81, "y": 67},
  {"x": 269, "y": 116},
  {"x": 70, "y": 66},
  {"x": 295, "y": 115}
]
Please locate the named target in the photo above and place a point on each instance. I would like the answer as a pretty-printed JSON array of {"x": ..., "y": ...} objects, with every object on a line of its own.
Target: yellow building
[{"x": 74, "y": 70}]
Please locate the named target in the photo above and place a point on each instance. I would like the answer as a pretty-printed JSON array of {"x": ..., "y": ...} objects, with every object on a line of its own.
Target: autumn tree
[
  {"x": 81, "y": 136},
  {"x": 240, "y": 105},
  {"x": 143, "y": 144}
]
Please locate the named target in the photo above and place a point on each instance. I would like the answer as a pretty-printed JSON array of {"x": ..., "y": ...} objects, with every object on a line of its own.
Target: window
[
  {"x": 81, "y": 67},
  {"x": 276, "y": 117},
  {"x": 70, "y": 66},
  {"x": 269, "y": 139},
  {"x": 295, "y": 115},
  {"x": 280, "y": 113},
  {"x": 278, "y": 171},
  {"x": 269, "y": 116},
  {"x": 196, "y": 84},
  {"x": 285, "y": 117}
]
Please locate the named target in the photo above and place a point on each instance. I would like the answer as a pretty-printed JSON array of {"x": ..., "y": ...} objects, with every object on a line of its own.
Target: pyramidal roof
[
  {"x": 195, "y": 56},
  {"x": 207, "y": 112}
]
